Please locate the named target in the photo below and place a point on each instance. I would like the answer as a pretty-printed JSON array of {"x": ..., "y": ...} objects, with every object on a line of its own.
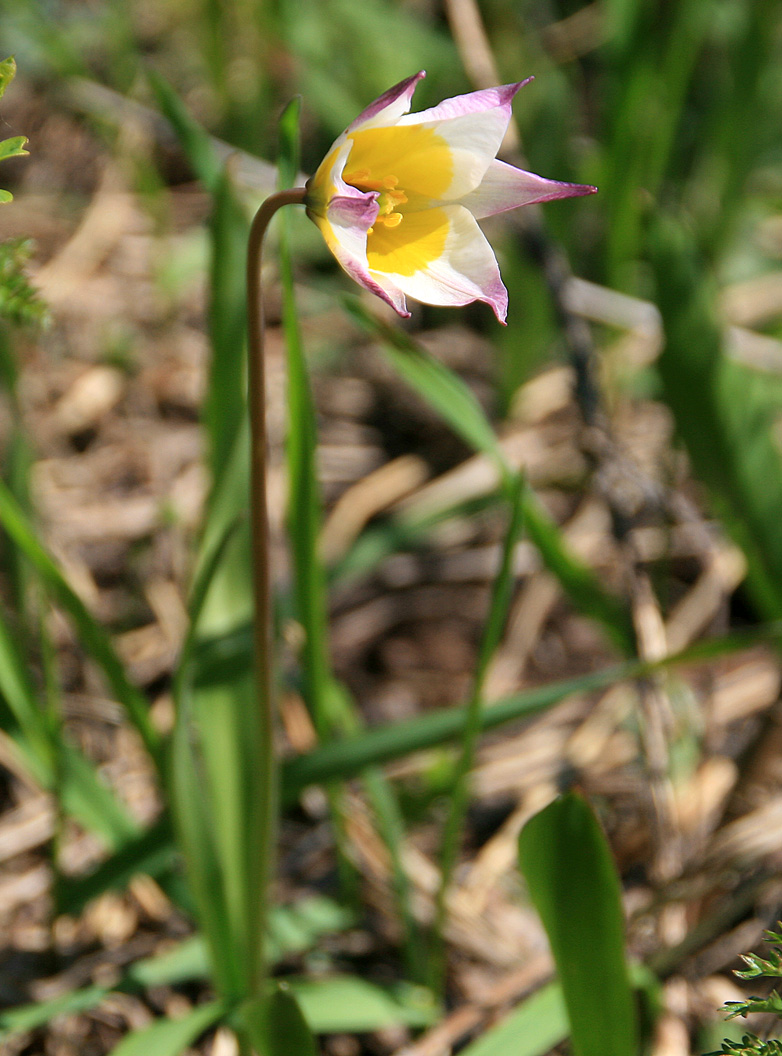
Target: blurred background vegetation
[{"x": 566, "y": 531}]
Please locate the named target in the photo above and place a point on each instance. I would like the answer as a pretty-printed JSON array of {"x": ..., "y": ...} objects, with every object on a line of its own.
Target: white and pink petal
[
  {"x": 504, "y": 187},
  {"x": 390, "y": 106},
  {"x": 349, "y": 245},
  {"x": 465, "y": 271},
  {"x": 472, "y": 127},
  {"x": 479, "y": 102}
]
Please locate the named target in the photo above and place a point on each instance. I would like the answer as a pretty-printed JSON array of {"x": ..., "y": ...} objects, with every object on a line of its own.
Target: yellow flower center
[
  {"x": 389, "y": 196},
  {"x": 410, "y": 168}
]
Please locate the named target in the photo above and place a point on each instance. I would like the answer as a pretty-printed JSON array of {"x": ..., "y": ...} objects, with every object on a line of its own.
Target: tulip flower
[{"x": 398, "y": 197}]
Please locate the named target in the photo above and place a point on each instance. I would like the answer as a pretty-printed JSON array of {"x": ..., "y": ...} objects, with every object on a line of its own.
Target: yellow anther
[{"x": 388, "y": 199}]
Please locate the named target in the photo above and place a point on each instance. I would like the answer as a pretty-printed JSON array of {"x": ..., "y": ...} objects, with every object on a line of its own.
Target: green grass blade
[
  {"x": 195, "y": 141},
  {"x": 533, "y": 1029},
  {"x": 225, "y": 403},
  {"x": 456, "y": 404},
  {"x": 460, "y": 795},
  {"x": 194, "y": 824},
  {"x": 578, "y": 581},
  {"x": 171, "y": 1037},
  {"x": 92, "y": 636},
  {"x": 384, "y": 743},
  {"x": 151, "y": 852},
  {"x": 52, "y": 761},
  {"x": 84, "y": 797},
  {"x": 439, "y": 386},
  {"x": 574, "y": 886},
  {"x": 724, "y": 413},
  {"x": 304, "y": 504}
]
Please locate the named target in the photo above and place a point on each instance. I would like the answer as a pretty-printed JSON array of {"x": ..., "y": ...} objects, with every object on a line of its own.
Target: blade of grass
[
  {"x": 52, "y": 761},
  {"x": 195, "y": 141},
  {"x": 385, "y": 744},
  {"x": 724, "y": 413},
  {"x": 452, "y": 399},
  {"x": 151, "y": 852},
  {"x": 225, "y": 403},
  {"x": 573, "y": 883},
  {"x": 92, "y": 636},
  {"x": 195, "y": 824},
  {"x": 303, "y": 515},
  {"x": 460, "y": 795},
  {"x": 382, "y": 744}
]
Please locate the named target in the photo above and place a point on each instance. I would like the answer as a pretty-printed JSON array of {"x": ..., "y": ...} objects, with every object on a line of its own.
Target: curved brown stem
[{"x": 263, "y": 637}]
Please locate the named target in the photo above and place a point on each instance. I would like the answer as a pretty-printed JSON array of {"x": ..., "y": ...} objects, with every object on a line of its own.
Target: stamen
[{"x": 388, "y": 199}]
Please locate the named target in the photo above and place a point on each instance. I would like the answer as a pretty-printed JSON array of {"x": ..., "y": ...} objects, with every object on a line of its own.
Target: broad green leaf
[
  {"x": 7, "y": 73},
  {"x": 276, "y": 1026},
  {"x": 573, "y": 883},
  {"x": 350, "y": 1004},
  {"x": 13, "y": 147},
  {"x": 533, "y": 1029},
  {"x": 170, "y": 1037},
  {"x": 724, "y": 412}
]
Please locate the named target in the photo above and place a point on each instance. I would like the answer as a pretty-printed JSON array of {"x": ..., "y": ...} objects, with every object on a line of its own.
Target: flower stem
[{"x": 263, "y": 636}]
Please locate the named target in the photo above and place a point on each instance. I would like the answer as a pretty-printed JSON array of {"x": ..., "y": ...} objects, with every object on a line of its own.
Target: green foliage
[
  {"x": 751, "y": 1045},
  {"x": 451, "y": 398},
  {"x": 573, "y": 883},
  {"x": 276, "y": 1026},
  {"x": 20, "y": 304},
  {"x": 759, "y": 968},
  {"x": 677, "y": 119},
  {"x": 13, "y": 147},
  {"x": 724, "y": 411},
  {"x": 533, "y": 1029}
]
